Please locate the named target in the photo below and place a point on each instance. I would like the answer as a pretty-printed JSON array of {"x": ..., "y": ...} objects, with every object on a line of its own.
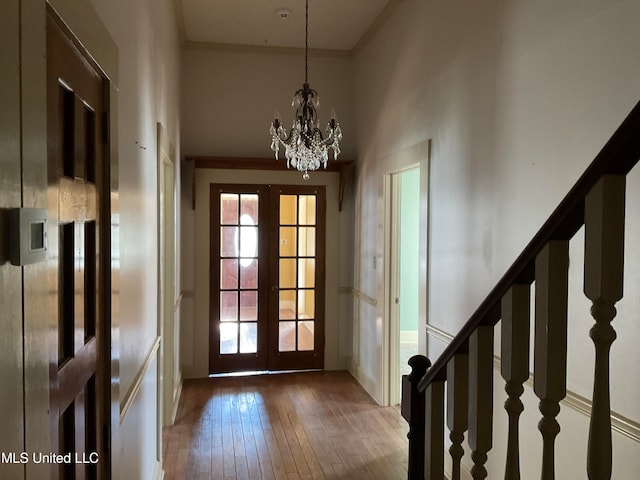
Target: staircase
[{"x": 462, "y": 377}]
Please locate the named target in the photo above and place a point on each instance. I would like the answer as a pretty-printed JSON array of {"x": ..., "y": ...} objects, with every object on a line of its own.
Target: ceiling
[{"x": 335, "y": 25}]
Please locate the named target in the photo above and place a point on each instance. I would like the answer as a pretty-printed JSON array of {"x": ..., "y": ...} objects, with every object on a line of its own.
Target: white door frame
[
  {"x": 391, "y": 367},
  {"x": 417, "y": 156},
  {"x": 168, "y": 318}
]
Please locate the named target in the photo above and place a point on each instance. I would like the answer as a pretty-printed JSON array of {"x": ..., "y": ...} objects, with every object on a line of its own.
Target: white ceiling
[{"x": 333, "y": 24}]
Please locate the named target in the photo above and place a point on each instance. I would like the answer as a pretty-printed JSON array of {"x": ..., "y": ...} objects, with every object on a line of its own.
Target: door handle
[{"x": 275, "y": 288}]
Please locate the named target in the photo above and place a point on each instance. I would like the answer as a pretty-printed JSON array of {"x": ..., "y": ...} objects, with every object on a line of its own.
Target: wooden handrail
[{"x": 620, "y": 154}]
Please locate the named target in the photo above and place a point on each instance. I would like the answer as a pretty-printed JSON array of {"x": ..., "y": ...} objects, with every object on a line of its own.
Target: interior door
[
  {"x": 266, "y": 278},
  {"x": 297, "y": 277},
  {"x": 75, "y": 116},
  {"x": 238, "y": 278}
]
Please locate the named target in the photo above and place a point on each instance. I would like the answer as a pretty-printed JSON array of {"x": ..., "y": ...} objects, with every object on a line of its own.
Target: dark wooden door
[
  {"x": 75, "y": 116},
  {"x": 238, "y": 278},
  {"x": 266, "y": 278},
  {"x": 297, "y": 276}
]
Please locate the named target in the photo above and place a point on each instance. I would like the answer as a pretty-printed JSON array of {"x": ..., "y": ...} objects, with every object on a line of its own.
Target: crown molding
[
  {"x": 238, "y": 48},
  {"x": 379, "y": 21}
]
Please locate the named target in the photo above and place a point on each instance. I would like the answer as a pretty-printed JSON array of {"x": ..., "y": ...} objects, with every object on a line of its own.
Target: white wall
[
  {"x": 148, "y": 92},
  {"x": 229, "y": 98},
  {"x": 517, "y": 98}
]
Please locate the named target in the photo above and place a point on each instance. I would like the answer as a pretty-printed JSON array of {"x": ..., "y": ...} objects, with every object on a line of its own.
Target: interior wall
[
  {"x": 517, "y": 98},
  {"x": 229, "y": 98},
  {"x": 148, "y": 93}
]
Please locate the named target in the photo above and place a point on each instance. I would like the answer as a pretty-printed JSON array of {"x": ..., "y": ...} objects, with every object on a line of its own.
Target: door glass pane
[
  {"x": 306, "y": 304},
  {"x": 228, "y": 274},
  {"x": 228, "y": 338},
  {"x": 305, "y": 335},
  {"x": 249, "y": 305},
  {"x": 248, "y": 244},
  {"x": 248, "y": 273},
  {"x": 287, "y": 241},
  {"x": 307, "y": 240},
  {"x": 228, "y": 209},
  {"x": 228, "y": 241},
  {"x": 287, "y": 304},
  {"x": 287, "y": 273},
  {"x": 287, "y": 336},
  {"x": 307, "y": 210},
  {"x": 288, "y": 210},
  {"x": 228, "y": 307},
  {"x": 249, "y": 209},
  {"x": 248, "y": 337},
  {"x": 306, "y": 272}
]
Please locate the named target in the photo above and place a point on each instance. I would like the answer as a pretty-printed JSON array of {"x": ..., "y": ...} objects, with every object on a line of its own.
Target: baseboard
[
  {"x": 367, "y": 383},
  {"x": 158, "y": 472},
  {"x": 176, "y": 398}
]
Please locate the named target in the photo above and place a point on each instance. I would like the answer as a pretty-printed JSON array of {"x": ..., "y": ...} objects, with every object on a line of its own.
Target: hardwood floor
[{"x": 319, "y": 425}]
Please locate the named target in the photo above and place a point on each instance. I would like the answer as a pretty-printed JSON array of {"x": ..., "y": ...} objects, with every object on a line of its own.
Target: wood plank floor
[{"x": 319, "y": 425}]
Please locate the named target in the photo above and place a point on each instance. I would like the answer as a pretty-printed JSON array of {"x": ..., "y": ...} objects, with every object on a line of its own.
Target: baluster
[
  {"x": 603, "y": 284},
  {"x": 457, "y": 407},
  {"x": 413, "y": 410},
  {"x": 434, "y": 434},
  {"x": 480, "y": 398},
  {"x": 550, "y": 349},
  {"x": 514, "y": 366}
]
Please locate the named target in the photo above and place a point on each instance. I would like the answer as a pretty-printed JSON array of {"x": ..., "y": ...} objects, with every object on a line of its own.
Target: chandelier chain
[{"x": 306, "y": 43}]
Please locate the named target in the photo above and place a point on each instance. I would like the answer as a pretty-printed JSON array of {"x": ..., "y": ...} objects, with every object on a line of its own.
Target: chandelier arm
[{"x": 284, "y": 138}]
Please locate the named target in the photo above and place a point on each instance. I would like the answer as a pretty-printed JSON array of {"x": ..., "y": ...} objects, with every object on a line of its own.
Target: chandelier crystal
[{"x": 305, "y": 148}]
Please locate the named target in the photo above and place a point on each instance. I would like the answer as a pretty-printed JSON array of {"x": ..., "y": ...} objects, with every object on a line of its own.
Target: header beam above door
[{"x": 342, "y": 167}]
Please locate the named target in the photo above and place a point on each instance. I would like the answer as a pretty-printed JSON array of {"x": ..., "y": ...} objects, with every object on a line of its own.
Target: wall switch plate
[{"x": 27, "y": 235}]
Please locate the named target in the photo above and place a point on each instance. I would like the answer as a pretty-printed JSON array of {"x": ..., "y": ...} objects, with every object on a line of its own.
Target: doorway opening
[{"x": 403, "y": 220}]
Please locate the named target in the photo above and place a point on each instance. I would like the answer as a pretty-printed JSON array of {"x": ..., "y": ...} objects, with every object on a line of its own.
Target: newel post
[{"x": 413, "y": 411}]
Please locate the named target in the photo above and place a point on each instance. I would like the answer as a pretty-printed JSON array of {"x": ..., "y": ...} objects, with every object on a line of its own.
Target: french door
[{"x": 266, "y": 277}]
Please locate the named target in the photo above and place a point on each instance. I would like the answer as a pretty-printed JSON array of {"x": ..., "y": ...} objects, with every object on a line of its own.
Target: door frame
[
  {"x": 391, "y": 367},
  {"x": 416, "y": 156},
  {"x": 337, "y": 313},
  {"x": 169, "y": 374}
]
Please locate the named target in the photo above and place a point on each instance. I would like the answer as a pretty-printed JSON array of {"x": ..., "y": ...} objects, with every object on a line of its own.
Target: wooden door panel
[
  {"x": 75, "y": 112},
  {"x": 238, "y": 278},
  {"x": 297, "y": 271}
]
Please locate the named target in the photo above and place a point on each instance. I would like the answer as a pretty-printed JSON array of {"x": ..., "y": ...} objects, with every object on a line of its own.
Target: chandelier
[{"x": 305, "y": 148}]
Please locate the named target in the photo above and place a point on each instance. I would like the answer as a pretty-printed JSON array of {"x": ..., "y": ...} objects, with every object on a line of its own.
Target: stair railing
[{"x": 465, "y": 369}]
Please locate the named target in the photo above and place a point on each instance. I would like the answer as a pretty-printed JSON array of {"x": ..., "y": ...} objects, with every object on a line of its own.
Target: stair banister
[
  {"x": 618, "y": 157},
  {"x": 600, "y": 187}
]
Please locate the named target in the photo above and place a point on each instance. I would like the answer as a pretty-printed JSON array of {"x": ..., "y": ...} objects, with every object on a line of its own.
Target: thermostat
[{"x": 27, "y": 235}]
